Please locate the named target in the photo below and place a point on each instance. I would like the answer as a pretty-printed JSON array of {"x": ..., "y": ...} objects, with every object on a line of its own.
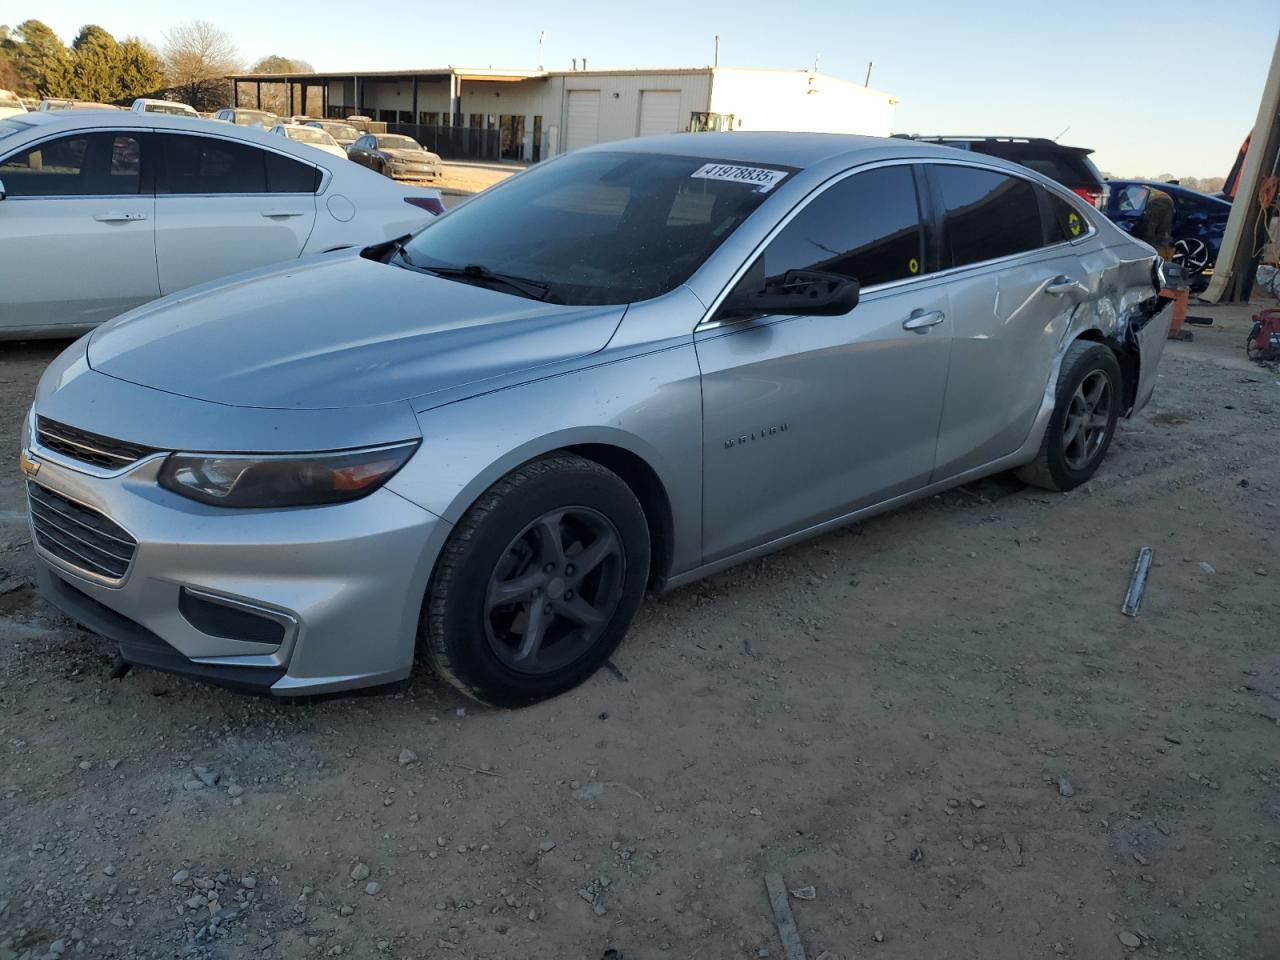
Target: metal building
[{"x": 530, "y": 114}]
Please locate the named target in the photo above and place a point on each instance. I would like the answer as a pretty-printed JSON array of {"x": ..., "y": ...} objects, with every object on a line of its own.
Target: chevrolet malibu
[{"x": 624, "y": 369}]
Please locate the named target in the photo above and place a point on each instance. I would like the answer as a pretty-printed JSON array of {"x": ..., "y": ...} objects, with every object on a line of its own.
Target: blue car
[{"x": 1198, "y": 220}]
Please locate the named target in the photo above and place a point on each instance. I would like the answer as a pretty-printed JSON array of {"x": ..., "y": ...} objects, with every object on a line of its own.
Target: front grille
[
  {"x": 92, "y": 448},
  {"x": 79, "y": 536}
]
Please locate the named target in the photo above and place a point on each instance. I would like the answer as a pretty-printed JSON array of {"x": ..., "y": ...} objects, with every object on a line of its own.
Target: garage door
[
  {"x": 584, "y": 119},
  {"x": 659, "y": 112}
]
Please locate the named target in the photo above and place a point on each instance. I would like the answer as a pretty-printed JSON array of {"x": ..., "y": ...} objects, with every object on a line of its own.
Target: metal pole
[
  {"x": 415, "y": 99},
  {"x": 235, "y": 93},
  {"x": 716, "y": 62}
]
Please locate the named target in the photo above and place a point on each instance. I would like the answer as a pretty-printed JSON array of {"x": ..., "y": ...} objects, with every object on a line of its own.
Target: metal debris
[
  {"x": 787, "y": 932},
  {"x": 1137, "y": 584}
]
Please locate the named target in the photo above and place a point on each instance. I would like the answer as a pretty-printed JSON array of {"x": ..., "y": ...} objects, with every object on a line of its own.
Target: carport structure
[{"x": 428, "y": 104}]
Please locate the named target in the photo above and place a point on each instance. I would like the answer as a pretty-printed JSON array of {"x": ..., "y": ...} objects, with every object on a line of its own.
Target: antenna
[
  {"x": 716, "y": 62},
  {"x": 542, "y": 39},
  {"x": 1064, "y": 130},
  {"x": 867, "y": 82},
  {"x": 816, "y": 60}
]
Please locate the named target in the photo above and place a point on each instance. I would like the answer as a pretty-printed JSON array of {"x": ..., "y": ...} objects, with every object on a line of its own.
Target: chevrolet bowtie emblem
[{"x": 29, "y": 466}]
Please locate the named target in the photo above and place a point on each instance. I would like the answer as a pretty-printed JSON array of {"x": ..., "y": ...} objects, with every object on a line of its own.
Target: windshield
[
  {"x": 341, "y": 130},
  {"x": 398, "y": 143},
  {"x": 309, "y": 135},
  {"x": 172, "y": 108},
  {"x": 600, "y": 228},
  {"x": 7, "y": 100},
  {"x": 247, "y": 118}
]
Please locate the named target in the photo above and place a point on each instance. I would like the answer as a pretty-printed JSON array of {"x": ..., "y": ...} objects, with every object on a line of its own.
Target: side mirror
[
  {"x": 797, "y": 293},
  {"x": 2, "y": 191}
]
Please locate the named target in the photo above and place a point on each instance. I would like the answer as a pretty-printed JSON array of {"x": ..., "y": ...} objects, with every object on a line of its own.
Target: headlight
[{"x": 288, "y": 480}]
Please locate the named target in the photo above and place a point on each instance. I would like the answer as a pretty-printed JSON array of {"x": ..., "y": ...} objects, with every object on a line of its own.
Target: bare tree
[
  {"x": 197, "y": 58},
  {"x": 275, "y": 95}
]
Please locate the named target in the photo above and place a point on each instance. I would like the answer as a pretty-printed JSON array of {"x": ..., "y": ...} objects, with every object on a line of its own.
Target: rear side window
[
  {"x": 92, "y": 165},
  {"x": 1132, "y": 199},
  {"x": 1065, "y": 221},
  {"x": 867, "y": 226},
  {"x": 285, "y": 175},
  {"x": 208, "y": 165},
  {"x": 985, "y": 215}
]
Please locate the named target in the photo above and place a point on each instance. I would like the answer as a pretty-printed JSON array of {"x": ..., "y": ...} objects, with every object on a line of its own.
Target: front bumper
[
  {"x": 321, "y": 598},
  {"x": 414, "y": 171}
]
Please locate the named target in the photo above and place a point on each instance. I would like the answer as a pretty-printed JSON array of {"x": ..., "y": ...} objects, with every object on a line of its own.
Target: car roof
[
  {"x": 1168, "y": 188},
  {"x": 55, "y": 121},
  {"x": 801, "y": 150}
]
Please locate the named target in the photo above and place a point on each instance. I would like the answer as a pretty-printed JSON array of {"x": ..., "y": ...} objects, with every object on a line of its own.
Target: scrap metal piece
[
  {"x": 787, "y": 932},
  {"x": 1137, "y": 583}
]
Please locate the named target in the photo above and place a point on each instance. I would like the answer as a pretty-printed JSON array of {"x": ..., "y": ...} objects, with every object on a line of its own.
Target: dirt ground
[
  {"x": 463, "y": 179},
  {"x": 938, "y": 720}
]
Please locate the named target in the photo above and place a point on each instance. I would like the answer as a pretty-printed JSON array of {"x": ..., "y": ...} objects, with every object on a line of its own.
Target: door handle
[
  {"x": 118, "y": 217},
  {"x": 282, "y": 213},
  {"x": 1060, "y": 286},
  {"x": 920, "y": 321}
]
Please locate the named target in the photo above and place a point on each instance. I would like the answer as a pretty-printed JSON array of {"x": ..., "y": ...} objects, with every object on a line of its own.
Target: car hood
[
  {"x": 339, "y": 332},
  {"x": 411, "y": 156}
]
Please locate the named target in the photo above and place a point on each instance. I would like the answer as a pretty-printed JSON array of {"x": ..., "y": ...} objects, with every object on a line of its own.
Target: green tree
[
  {"x": 41, "y": 61},
  {"x": 140, "y": 72},
  {"x": 95, "y": 57}
]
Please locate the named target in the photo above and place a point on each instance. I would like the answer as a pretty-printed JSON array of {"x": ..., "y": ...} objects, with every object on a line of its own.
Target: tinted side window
[
  {"x": 866, "y": 226},
  {"x": 1132, "y": 199},
  {"x": 207, "y": 165},
  {"x": 985, "y": 215},
  {"x": 1065, "y": 221},
  {"x": 285, "y": 175},
  {"x": 102, "y": 164}
]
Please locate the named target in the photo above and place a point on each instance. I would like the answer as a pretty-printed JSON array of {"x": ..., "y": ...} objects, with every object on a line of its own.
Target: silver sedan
[{"x": 624, "y": 369}]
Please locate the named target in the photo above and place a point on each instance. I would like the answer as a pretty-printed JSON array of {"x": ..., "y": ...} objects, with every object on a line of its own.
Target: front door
[
  {"x": 77, "y": 231},
  {"x": 224, "y": 206},
  {"x": 806, "y": 419}
]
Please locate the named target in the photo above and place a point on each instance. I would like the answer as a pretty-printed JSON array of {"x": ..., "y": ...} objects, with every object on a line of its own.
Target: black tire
[
  {"x": 1055, "y": 467},
  {"x": 462, "y": 634}
]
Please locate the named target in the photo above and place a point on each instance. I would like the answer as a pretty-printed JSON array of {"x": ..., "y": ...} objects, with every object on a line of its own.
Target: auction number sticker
[{"x": 763, "y": 178}]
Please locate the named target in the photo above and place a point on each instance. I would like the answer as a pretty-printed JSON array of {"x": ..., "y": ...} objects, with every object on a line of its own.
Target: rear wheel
[
  {"x": 1083, "y": 420},
  {"x": 538, "y": 583}
]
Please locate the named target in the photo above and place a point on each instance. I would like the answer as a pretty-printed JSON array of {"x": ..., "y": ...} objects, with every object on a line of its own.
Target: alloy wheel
[
  {"x": 1088, "y": 418},
  {"x": 1192, "y": 254},
  {"x": 554, "y": 590}
]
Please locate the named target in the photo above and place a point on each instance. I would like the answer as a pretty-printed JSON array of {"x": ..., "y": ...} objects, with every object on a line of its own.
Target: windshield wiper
[{"x": 475, "y": 272}]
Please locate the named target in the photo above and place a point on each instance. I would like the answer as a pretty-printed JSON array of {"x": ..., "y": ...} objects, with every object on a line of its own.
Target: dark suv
[{"x": 1070, "y": 166}]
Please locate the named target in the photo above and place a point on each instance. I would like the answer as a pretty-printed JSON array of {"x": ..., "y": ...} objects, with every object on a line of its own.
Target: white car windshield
[
  {"x": 171, "y": 108},
  {"x": 339, "y": 130},
  {"x": 309, "y": 135},
  {"x": 610, "y": 227}
]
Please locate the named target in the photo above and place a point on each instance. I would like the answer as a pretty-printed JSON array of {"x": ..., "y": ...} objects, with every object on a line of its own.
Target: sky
[{"x": 1169, "y": 88}]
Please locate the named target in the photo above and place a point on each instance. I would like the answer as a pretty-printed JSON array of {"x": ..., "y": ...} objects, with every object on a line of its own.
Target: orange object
[{"x": 1180, "y": 300}]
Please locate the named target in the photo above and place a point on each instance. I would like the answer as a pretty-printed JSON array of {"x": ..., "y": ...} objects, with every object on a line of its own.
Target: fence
[{"x": 454, "y": 143}]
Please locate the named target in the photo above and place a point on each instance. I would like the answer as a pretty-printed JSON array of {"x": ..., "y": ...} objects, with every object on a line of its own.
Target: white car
[
  {"x": 311, "y": 136},
  {"x": 102, "y": 212},
  {"x": 11, "y": 104},
  {"x": 173, "y": 107}
]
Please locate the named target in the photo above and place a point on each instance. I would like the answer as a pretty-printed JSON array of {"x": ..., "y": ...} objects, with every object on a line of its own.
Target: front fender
[{"x": 648, "y": 405}]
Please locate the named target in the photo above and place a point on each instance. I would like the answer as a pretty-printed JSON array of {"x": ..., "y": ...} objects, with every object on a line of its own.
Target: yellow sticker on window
[
  {"x": 1074, "y": 224},
  {"x": 913, "y": 265}
]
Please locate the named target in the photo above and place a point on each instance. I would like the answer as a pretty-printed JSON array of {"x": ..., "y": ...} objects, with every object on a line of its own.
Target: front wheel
[
  {"x": 1083, "y": 420},
  {"x": 538, "y": 583}
]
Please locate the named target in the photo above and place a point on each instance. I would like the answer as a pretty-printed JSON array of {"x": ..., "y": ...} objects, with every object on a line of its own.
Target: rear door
[
  {"x": 224, "y": 205},
  {"x": 1015, "y": 279},
  {"x": 77, "y": 230},
  {"x": 806, "y": 419}
]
